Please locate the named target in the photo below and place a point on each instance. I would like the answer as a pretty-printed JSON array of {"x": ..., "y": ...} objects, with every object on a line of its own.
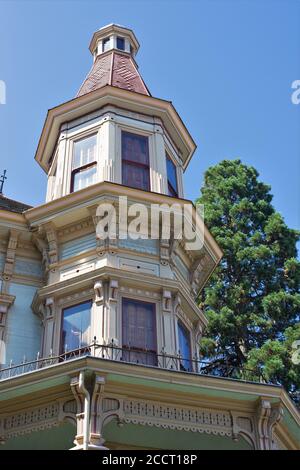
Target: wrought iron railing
[{"x": 138, "y": 357}]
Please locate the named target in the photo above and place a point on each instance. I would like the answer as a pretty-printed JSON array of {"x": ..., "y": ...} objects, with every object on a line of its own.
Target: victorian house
[{"x": 99, "y": 336}]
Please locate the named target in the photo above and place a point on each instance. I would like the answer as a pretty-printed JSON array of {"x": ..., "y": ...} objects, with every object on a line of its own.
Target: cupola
[{"x": 113, "y": 48}]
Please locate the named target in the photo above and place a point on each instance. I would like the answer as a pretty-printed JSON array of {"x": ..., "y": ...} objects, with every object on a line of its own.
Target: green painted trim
[
  {"x": 30, "y": 388},
  {"x": 181, "y": 388}
]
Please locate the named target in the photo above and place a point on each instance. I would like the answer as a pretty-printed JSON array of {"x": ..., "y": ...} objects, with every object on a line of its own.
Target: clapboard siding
[
  {"x": 77, "y": 246},
  {"x": 23, "y": 327},
  {"x": 147, "y": 245}
]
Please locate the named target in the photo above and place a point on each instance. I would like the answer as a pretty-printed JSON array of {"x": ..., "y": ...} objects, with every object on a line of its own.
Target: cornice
[{"x": 96, "y": 99}]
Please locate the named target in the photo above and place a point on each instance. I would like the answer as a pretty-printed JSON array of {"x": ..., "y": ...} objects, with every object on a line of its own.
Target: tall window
[
  {"x": 135, "y": 161},
  {"x": 84, "y": 166},
  {"x": 184, "y": 347},
  {"x": 139, "y": 331},
  {"x": 172, "y": 178},
  {"x": 121, "y": 43},
  {"x": 76, "y": 323}
]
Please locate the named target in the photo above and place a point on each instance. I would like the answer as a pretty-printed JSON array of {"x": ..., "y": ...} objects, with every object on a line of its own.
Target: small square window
[
  {"x": 121, "y": 43},
  {"x": 105, "y": 44}
]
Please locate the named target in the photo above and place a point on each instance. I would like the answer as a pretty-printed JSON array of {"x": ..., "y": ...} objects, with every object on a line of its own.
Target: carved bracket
[{"x": 267, "y": 418}]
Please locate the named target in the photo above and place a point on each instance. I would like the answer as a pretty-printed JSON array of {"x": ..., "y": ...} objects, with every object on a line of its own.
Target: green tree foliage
[{"x": 253, "y": 298}]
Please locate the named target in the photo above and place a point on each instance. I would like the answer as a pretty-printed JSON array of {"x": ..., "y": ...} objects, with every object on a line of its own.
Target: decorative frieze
[
  {"x": 139, "y": 292},
  {"x": 176, "y": 417},
  {"x": 35, "y": 419},
  {"x": 74, "y": 228}
]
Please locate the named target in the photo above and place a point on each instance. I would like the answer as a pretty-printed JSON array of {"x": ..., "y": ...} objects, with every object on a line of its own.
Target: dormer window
[
  {"x": 120, "y": 43},
  {"x": 172, "y": 178},
  {"x": 84, "y": 165},
  {"x": 105, "y": 44},
  {"x": 135, "y": 161}
]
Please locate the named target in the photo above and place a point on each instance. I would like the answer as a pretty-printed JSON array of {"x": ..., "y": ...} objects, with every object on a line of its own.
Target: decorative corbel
[
  {"x": 2, "y": 438},
  {"x": 267, "y": 418},
  {"x": 5, "y": 303},
  {"x": 88, "y": 396},
  {"x": 51, "y": 235},
  {"x": 42, "y": 246},
  {"x": 166, "y": 301},
  {"x": 177, "y": 305},
  {"x": 113, "y": 290},
  {"x": 98, "y": 289},
  {"x": 50, "y": 308},
  {"x": 96, "y": 419},
  {"x": 10, "y": 256},
  {"x": 242, "y": 426},
  {"x": 198, "y": 269}
]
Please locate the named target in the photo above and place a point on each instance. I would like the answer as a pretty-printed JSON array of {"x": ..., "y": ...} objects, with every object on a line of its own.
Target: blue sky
[{"x": 227, "y": 66}]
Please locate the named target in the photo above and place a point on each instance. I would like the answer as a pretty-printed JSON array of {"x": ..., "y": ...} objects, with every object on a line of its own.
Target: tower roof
[{"x": 113, "y": 48}]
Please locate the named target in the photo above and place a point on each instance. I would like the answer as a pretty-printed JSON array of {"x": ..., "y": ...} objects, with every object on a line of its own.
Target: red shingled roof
[{"x": 114, "y": 69}]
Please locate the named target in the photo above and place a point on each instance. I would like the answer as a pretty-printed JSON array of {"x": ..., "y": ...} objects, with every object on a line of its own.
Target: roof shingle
[
  {"x": 12, "y": 206},
  {"x": 114, "y": 69}
]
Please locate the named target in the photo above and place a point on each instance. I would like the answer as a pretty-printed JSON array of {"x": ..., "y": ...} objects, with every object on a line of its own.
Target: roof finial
[{"x": 2, "y": 181}]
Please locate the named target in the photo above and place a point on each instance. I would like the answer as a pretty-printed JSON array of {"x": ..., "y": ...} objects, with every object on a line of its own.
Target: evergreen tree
[{"x": 253, "y": 299}]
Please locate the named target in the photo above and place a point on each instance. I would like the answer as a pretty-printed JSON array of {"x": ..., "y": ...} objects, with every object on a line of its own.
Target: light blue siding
[
  {"x": 77, "y": 246},
  {"x": 23, "y": 327},
  {"x": 142, "y": 245},
  {"x": 30, "y": 268}
]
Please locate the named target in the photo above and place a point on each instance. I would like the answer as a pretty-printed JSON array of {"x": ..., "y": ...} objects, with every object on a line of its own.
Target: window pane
[
  {"x": 135, "y": 176},
  {"x": 105, "y": 44},
  {"x": 135, "y": 148},
  {"x": 172, "y": 177},
  {"x": 139, "y": 331},
  {"x": 184, "y": 346},
  {"x": 84, "y": 151},
  {"x": 120, "y": 43},
  {"x": 76, "y": 326},
  {"x": 84, "y": 178}
]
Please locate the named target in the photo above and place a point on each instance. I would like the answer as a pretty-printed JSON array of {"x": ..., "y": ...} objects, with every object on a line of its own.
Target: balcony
[{"x": 150, "y": 359}]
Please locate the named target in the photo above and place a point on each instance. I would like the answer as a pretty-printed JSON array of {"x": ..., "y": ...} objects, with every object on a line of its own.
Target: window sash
[
  {"x": 120, "y": 43},
  {"x": 172, "y": 177},
  {"x": 105, "y": 44},
  {"x": 138, "y": 325},
  {"x": 76, "y": 326},
  {"x": 135, "y": 161},
  {"x": 84, "y": 152},
  {"x": 83, "y": 177},
  {"x": 184, "y": 339}
]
